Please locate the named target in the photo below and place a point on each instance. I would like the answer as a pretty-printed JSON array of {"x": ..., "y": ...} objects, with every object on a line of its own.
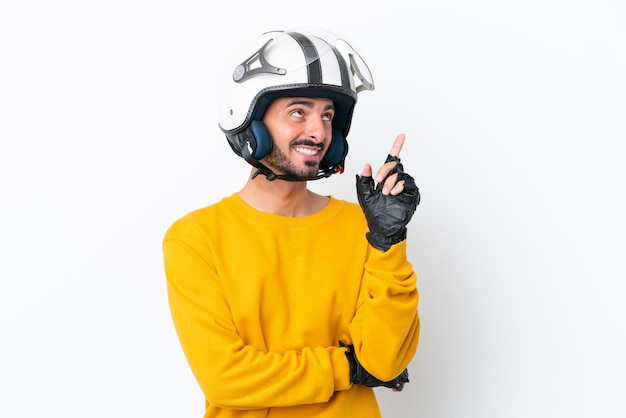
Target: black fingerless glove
[
  {"x": 387, "y": 216},
  {"x": 360, "y": 376}
]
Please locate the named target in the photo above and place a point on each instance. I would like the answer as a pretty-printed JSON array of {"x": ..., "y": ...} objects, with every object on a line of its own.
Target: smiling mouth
[
  {"x": 307, "y": 151},
  {"x": 307, "y": 147}
]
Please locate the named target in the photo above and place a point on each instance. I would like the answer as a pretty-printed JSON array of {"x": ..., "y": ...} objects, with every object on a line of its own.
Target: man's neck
[{"x": 280, "y": 197}]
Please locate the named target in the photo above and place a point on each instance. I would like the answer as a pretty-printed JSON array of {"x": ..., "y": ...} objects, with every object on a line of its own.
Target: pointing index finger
[{"x": 397, "y": 146}]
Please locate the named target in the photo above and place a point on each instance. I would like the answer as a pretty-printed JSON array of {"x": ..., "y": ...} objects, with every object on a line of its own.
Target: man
[{"x": 289, "y": 303}]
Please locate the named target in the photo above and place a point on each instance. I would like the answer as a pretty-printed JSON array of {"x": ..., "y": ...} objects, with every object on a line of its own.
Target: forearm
[
  {"x": 238, "y": 376},
  {"x": 385, "y": 330}
]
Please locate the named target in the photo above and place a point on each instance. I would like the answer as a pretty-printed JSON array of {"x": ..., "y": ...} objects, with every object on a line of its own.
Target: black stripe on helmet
[
  {"x": 314, "y": 67},
  {"x": 343, "y": 67}
]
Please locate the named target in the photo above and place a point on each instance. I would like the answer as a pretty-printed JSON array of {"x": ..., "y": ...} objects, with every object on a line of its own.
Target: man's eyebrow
[{"x": 309, "y": 103}]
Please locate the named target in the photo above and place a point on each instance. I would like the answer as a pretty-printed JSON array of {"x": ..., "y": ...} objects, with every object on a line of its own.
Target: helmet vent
[{"x": 244, "y": 70}]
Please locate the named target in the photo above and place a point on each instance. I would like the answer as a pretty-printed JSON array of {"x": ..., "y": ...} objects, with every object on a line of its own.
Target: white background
[{"x": 514, "y": 114}]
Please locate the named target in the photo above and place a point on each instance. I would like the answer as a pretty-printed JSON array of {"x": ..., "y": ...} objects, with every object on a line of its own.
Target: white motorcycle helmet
[{"x": 305, "y": 62}]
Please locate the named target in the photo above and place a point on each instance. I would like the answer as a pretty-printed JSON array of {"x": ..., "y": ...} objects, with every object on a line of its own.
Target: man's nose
[{"x": 316, "y": 129}]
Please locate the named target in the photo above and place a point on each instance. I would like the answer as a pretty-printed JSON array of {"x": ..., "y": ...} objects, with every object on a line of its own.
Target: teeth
[{"x": 306, "y": 151}]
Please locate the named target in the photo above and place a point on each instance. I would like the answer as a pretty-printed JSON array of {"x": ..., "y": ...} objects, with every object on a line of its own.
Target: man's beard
[{"x": 279, "y": 161}]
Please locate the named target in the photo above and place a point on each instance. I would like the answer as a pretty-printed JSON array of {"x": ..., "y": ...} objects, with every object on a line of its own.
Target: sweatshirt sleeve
[
  {"x": 386, "y": 327},
  {"x": 231, "y": 373}
]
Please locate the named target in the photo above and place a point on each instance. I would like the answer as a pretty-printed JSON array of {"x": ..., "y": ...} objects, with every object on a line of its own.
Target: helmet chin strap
[{"x": 270, "y": 175}]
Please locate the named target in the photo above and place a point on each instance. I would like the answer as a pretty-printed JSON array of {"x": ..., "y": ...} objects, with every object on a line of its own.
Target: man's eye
[
  {"x": 328, "y": 116},
  {"x": 297, "y": 113}
]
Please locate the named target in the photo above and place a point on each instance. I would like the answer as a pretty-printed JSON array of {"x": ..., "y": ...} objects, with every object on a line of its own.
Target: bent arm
[
  {"x": 386, "y": 327},
  {"x": 231, "y": 373}
]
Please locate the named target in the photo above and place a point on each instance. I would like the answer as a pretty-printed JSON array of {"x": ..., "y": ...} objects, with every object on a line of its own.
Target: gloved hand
[
  {"x": 360, "y": 376},
  {"x": 387, "y": 215}
]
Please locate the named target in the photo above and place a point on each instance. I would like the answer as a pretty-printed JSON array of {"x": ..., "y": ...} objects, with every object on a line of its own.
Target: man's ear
[
  {"x": 263, "y": 139},
  {"x": 337, "y": 150}
]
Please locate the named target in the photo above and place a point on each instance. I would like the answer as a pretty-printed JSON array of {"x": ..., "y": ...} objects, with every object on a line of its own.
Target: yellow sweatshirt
[{"x": 261, "y": 301}]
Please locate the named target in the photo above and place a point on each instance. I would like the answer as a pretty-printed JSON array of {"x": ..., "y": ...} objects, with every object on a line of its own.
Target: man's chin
[{"x": 304, "y": 172}]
